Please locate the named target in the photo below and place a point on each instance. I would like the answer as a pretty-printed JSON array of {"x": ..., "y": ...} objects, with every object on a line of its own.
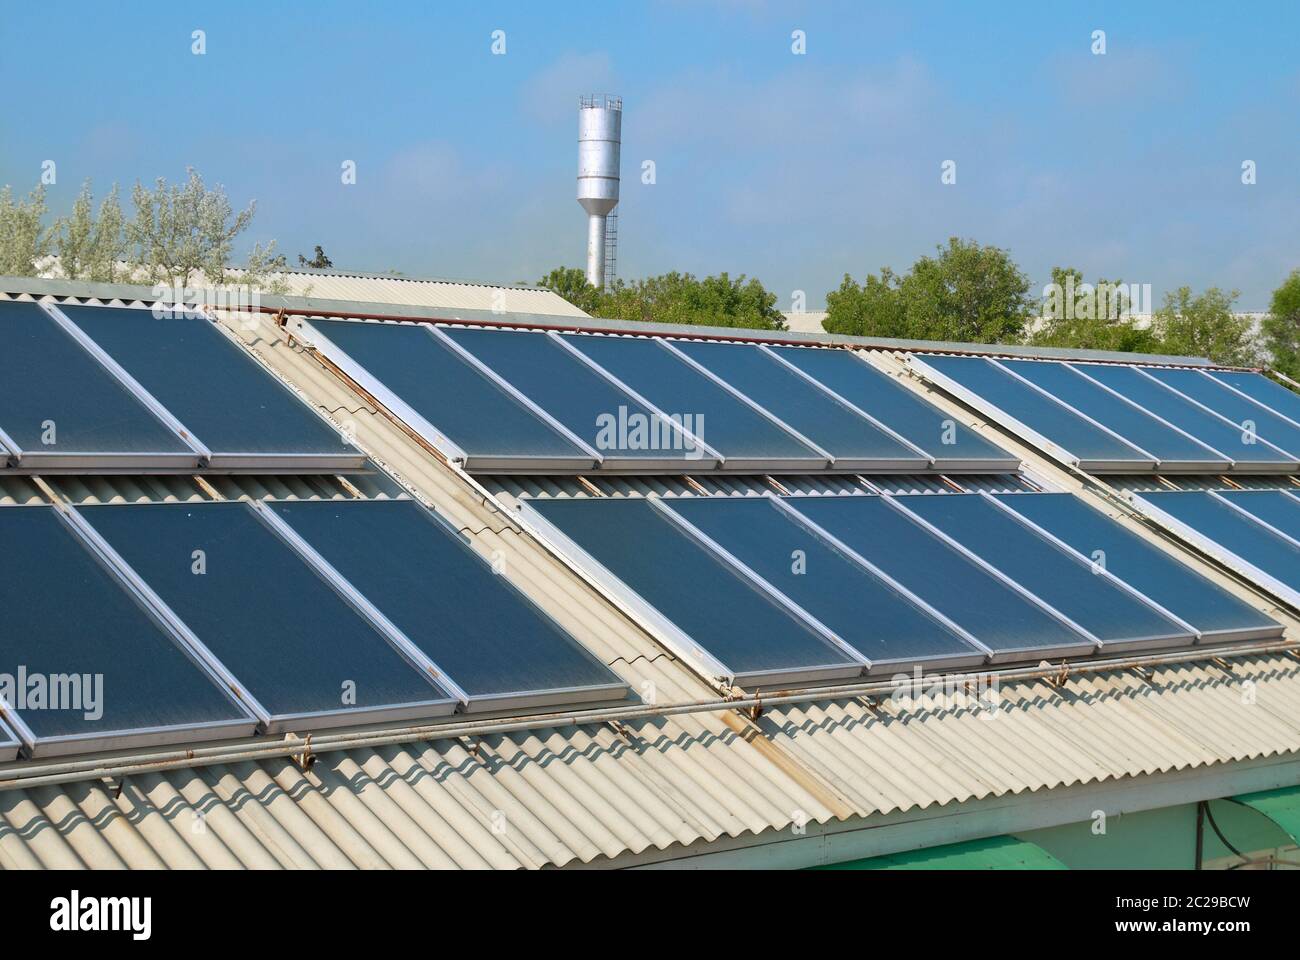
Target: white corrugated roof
[{"x": 652, "y": 787}]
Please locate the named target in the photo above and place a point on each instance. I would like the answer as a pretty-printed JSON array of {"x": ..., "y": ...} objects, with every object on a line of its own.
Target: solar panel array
[
  {"x": 1130, "y": 418},
  {"x": 1254, "y": 532},
  {"x": 764, "y": 591},
  {"x": 157, "y": 623},
  {"x": 518, "y": 401},
  {"x": 116, "y": 389}
]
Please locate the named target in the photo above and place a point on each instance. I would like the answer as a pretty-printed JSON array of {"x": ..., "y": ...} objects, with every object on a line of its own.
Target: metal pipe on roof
[{"x": 26, "y": 776}]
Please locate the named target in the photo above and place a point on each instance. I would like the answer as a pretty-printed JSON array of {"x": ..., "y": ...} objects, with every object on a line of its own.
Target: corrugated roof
[{"x": 601, "y": 793}]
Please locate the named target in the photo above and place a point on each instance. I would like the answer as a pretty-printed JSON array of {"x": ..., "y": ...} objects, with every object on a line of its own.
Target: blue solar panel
[
  {"x": 720, "y": 614},
  {"x": 1269, "y": 426},
  {"x": 1010, "y": 625},
  {"x": 1150, "y": 395},
  {"x": 1279, "y": 509},
  {"x": 1062, "y": 579},
  {"x": 743, "y": 435},
  {"x": 91, "y": 669},
  {"x": 491, "y": 641},
  {"x": 243, "y": 415},
  {"x": 855, "y": 442},
  {"x": 1213, "y": 611},
  {"x": 878, "y": 620},
  {"x": 952, "y": 445},
  {"x": 622, "y": 430},
  {"x": 297, "y": 646},
  {"x": 1000, "y": 395},
  {"x": 443, "y": 397},
  {"x": 1262, "y": 390},
  {"x": 1211, "y": 524},
  {"x": 60, "y": 409},
  {"x": 1175, "y": 450}
]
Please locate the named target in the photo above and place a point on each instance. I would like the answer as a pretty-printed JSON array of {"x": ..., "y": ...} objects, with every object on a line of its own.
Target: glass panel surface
[
  {"x": 1128, "y": 421},
  {"x": 296, "y": 645},
  {"x": 725, "y": 423},
  {"x": 574, "y": 394},
  {"x": 474, "y": 413},
  {"x": 1142, "y": 565},
  {"x": 701, "y": 594},
  {"x": 221, "y": 395},
  {"x": 881, "y": 623},
  {"x": 470, "y": 621},
  {"x": 1040, "y": 414},
  {"x": 922, "y": 423},
  {"x": 1149, "y": 395},
  {"x": 1239, "y": 535},
  {"x": 66, "y": 616},
  {"x": 1263, "y": 390},
  {"x": 1239, "y": 410},
  {"x": 56, "y": 398},
  {"x": 955, "y": 585},
  {"x": 815, "y": 414},
  {"x": 1278, "y": 509},
  {"x": 1050, "y": 573}
]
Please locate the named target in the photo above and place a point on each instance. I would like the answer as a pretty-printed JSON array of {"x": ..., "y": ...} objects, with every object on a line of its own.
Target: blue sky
[{"x": 794, "y": 169}]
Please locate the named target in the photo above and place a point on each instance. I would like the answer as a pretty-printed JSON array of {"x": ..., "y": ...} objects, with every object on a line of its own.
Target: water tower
[{"x": 600, "y": 131}]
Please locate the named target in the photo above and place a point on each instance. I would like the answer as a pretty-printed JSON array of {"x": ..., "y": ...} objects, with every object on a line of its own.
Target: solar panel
[
  {"x": 877, "y": 618},
  {"x": 996, "y": 392},
  {"x": 445, "y": 398},
  {"x": 497, "y": 647},
  {"x": 61, "y": 410},
  {"x": 854, "y": 441},
  {"x": 953, "y": 446},
  {"x": 746, "y": 437},
  {"x": 1215, "y": 613},
  {"x": 1230, "y": 535},
  {"x": 303, "y": 652},
  {"x": 1174, "y": 450},
  {"x": 1259, "y": 388},
  {"x": 1246, "y": 414},
  {"x": 1004, "y": 620},
  {"x": 1067, "y": 582},
  {"x": 1277, "y": 508},
  {"x": 244, "y": 417},
  {"x": 626, "y": 433},
  {"x": 1226, "y": 438},
  {"x": 701, "y": 604},
  {"x": 84, "y": 666}
]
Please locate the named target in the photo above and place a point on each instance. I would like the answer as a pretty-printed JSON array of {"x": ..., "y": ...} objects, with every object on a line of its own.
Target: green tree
[
  {"x": 318, "y": 262},
  {"x": 89, "y": 246},
  {"x": 24, "y": 241},
  {"x": 182, "y": 231},
  {"x": 1204, "y": 326},
  {"x": 967, "y": 292},
  {"x": 1282, "y": 327},
  {"x": 872, "y": 309},
  {"x": 1090, "y": 316},
  {"x": 718, "y": 301},
  {"x": 571, "y": 284}
]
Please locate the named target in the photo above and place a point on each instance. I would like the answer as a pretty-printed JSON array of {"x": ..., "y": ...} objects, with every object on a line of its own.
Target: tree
[
  {"x": 718, "y": 301},
  {"x": 23, "y": 240},
  {"x": 1090, "y": 316},
  {"x": 318, "y": 262},
  {"x": 968, "y": 292},
  {"x": 180, "y": 232},
  {"x": 1282, "y": 327},
  {"x": 874, "y": 309},
  {"x": 1204, "y": 326},
  {"x": 89, "y": 246},
  {"x": 571, "y": 284}
]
